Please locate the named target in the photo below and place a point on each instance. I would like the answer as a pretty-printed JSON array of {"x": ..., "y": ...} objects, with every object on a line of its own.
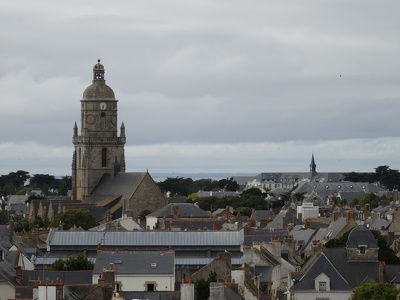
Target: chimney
[
  {"x": 217, "y": 291},
  {"x": 382, "y": 271},
  {"x": 187, "y": 290},
  {"x": 18, "y": 273},
  {"x": 390, "y": 238},
  {"x": 11, "y": 231},
  {"x": 335, "y": 215},
  {"x": 349, "y": 216},
  {"x": 300, "y": 217},
  {"x": 175, "y": 211}
]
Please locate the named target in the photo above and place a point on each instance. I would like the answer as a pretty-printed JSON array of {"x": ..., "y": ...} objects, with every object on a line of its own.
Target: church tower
[
  {"x": 313, "y": 166},
  {"x": 98, "y": 150}
]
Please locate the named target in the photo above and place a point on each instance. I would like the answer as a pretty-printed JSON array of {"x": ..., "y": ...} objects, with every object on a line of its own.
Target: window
[
  {"x": 150, "y": 286},
  {"x": 104, "y": 157},
  {"x": 362, "y": 250},
  {"x": 322, "y": 286}
]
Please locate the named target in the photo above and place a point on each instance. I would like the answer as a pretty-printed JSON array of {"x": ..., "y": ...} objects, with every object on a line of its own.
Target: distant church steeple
[{"x": 313, "y": 166}]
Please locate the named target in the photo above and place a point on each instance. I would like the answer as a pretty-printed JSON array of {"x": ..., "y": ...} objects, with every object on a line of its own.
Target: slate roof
[
  {"x": 152, "y": 295},
  {"x": 361, "y": 235},
  {"x": 68, "y": 277},
  {"x": 5, "y": 242},
  {"x": 231, "y": 294},
  {"x": 183, "y": 210},
  {"x": 137, "y": 262},
  {"x": 192, "y": 224},
  {"x": 7, "y": 267},
  {"x": 217, "y": 194},
  {"x": 119, "y": 224},
  {"x": 355, "y": 272},
  {"x": 322, "y": 265},
  {"x": 278, "y": 221},
  {"x": 264, "y": 235},
  {"x": 122, "y": 184},
  {"x": 17, "y": 199},
  {"x": 377, "y": 224},
  {"x": 259, "y": 215},
  {"x": 324, "y": 189}
]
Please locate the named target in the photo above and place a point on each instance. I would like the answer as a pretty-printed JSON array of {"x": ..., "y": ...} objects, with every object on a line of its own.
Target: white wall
[
  {"x": 138, "y": 283},
  {"x": 328, "y": 295},
  {"x": 7, "y": 291}
]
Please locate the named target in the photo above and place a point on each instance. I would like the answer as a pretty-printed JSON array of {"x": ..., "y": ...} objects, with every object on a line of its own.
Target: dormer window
[
  {"x": 322, "y": 286},
  {"x": 362, "y": 249}
]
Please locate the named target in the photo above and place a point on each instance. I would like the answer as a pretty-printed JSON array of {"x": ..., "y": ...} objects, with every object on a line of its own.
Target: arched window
[{"x": 104, "y": 157}]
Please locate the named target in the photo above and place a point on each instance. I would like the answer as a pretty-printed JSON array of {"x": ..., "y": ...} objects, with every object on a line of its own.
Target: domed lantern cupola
[{"x": 98, "y": 71}]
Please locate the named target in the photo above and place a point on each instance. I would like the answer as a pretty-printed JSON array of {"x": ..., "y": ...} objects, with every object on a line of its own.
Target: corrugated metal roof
[
  {"x": 203, "y": 260},
  {"x": 145, "y": 238}
]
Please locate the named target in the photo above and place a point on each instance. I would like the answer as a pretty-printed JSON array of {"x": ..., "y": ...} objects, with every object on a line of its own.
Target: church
[{"x": 98, "y": 166}]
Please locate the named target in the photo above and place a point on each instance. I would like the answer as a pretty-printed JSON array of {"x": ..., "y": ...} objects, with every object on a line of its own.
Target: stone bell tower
[{"x": 98, "y": 149}]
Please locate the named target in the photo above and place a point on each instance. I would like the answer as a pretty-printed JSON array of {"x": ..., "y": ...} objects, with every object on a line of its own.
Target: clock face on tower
[{"x": 103, "y": 106}]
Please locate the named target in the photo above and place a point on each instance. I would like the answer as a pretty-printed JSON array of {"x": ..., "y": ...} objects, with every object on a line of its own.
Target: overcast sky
[{"x": 205, "y": 86}]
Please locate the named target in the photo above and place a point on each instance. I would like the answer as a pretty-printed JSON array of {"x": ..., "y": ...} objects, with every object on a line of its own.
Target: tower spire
[
  {"x": 313, "y": 166},
  {"x": 98, "y": 71}
]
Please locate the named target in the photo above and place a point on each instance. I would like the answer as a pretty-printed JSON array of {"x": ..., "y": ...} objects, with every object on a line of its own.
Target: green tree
[
  {"x": 72, "y": 263},
  {"x": 375, "y": 291},
  {"x": 228, "y": 184},
  {"x": 387, "y": 177},
  {"x": 177, "y": 186},
  {"x": 371, "y": 199},
  {"x": 385, "y": 253},
  {"x": 202, "y": 286},
  {"x": 63, "y": 188},
  {"x": 78, "y": 217},
  {"x": 339, "y": 242},
  {"x": 14, "y": 181},
  {"x": 42, "y": 181}
]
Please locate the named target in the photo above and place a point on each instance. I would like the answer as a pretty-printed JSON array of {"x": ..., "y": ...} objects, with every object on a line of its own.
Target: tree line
[
  {"x": 19, "y": 182},
  {"x": 387, "y": 177},
  {"x": 180, "y": 186}
]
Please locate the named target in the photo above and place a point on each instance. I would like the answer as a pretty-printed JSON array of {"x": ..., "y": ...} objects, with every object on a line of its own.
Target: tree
[
  {"x": 202, "y": 286},
  {"x": 228, "y": 184},
  {"x": 177, "y": 186},
  {"x": 75, "y": 217},
  {"x": 371, "y": 199},
  {"x": 63, "y": 188},
  {"x": 385, "y": 253},
  {"x": 387, "y": 177},
  {"x": 72, "y": 263},
  {"x": 375, "y": 291},
  {"x": 13, "y": 181}
]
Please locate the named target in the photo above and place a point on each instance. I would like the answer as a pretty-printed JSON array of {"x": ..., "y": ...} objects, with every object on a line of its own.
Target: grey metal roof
[
  {"x": 187, "y": 261},
  {"x": 137, "y": 262},
  {"x": 145, "y": 238}
]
